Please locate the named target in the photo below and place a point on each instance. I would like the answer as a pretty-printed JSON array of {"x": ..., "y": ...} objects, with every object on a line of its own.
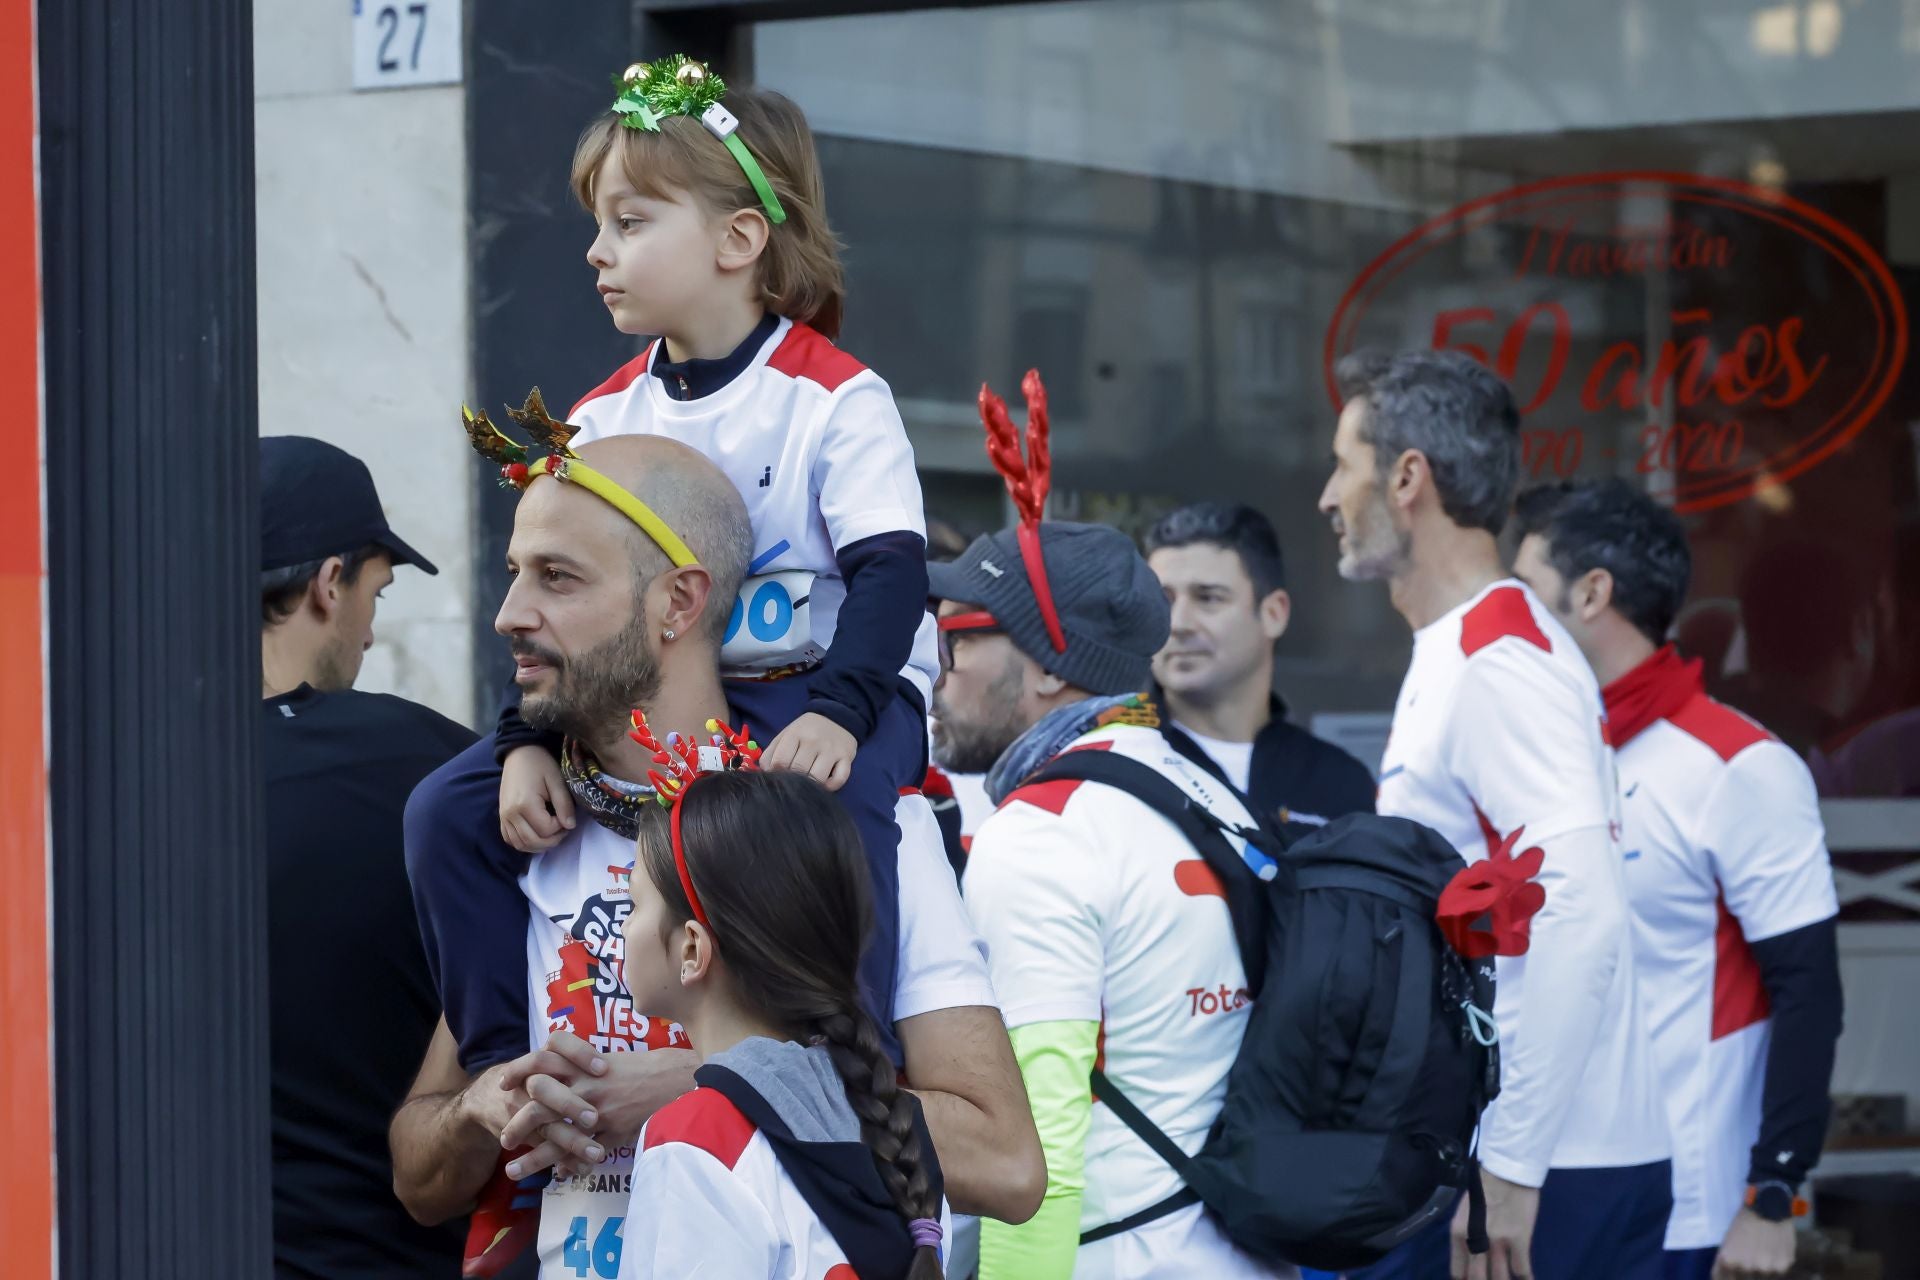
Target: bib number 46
[{"x": 602, "y": 1258}]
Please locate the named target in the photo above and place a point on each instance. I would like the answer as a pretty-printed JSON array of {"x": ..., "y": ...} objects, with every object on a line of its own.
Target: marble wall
[{"x": 363, "y": 284}]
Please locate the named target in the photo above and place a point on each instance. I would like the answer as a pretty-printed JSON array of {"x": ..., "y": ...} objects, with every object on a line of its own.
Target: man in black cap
[
  {"x": 352, "y": 1005},
  {"x": 1107, "y": 935},
  {"x": 326, "y": 554}
]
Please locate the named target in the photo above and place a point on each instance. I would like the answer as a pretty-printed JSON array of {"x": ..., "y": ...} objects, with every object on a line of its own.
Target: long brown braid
[
  {"x": 777, "y": 865},
  {"x": 886, "y": 1121}
]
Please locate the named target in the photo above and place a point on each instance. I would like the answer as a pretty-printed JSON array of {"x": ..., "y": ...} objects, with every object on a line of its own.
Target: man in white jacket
[{"x": 1499, "y": 744}]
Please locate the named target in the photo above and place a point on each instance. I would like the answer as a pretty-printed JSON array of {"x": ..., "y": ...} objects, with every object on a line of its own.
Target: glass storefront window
[{"x": 1686, "y": 233}]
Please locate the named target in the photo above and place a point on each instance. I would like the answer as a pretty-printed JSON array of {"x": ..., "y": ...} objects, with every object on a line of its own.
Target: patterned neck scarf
[
  {"x": 612, "y": 802},
  {"x": 1055, "y": 731}
]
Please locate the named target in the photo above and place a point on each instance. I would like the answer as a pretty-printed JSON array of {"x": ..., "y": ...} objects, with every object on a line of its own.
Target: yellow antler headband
[{"x": 563, "y": 464}]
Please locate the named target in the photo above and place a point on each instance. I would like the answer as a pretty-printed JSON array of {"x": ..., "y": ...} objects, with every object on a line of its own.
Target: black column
[{"x": 159, "y": 943}]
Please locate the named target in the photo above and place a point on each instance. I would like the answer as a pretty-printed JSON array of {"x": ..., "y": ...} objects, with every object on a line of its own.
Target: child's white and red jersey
[
  {"x": 1724, "y": 846},
  {"x": 812, "y": 440},
  {"x": 713, "y": 1200},
  {"x": 1498, "y": 732},
  {"x": 716, "y": 1202}
]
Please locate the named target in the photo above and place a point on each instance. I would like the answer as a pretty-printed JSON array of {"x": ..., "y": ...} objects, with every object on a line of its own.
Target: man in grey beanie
[
  {"x": 1107, "y": 936},
  {"x": 1107, "y": 609}
]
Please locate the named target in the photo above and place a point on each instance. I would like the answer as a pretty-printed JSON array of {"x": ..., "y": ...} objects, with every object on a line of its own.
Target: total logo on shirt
[{"x": 1203, "y": 1003}]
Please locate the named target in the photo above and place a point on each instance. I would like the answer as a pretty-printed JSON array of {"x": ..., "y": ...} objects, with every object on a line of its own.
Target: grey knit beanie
[{"x": 1112, "y": 612}]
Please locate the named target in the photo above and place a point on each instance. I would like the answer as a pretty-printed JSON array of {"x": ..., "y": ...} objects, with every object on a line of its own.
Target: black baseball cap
[{"x": 316, "y": 501}]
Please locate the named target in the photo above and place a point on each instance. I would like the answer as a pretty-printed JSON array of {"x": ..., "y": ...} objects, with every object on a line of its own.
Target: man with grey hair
[{"x": 1499, "y": 744}]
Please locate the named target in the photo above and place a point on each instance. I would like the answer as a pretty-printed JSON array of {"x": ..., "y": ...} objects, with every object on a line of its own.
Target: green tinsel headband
[{"x": 679, "y": 86}]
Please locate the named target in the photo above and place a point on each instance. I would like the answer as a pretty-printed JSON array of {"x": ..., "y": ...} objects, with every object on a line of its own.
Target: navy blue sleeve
[
  {"x": 473, "y": 917},
  {"x": 886, "y": 578},
  {"x": 1801, "y": 973},
  {"x": 510, "y": 732}
]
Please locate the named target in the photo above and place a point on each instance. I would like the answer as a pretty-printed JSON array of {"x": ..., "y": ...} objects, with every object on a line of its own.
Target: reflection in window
[{"x": 1165, "y": 207}]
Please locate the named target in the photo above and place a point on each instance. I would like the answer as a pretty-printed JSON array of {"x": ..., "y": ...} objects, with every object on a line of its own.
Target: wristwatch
[{"x": 1775, "y": 1201}]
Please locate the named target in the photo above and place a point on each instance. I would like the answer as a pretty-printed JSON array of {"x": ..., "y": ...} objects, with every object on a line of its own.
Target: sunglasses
[{"x": 978, "y": 623}]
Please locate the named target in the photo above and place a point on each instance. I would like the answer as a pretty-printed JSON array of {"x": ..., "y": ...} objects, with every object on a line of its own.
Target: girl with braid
[{"x": 798, "y": 1156}]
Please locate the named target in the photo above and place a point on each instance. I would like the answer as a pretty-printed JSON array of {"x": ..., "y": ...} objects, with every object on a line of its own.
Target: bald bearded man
[{"x": 600, "y": 622}]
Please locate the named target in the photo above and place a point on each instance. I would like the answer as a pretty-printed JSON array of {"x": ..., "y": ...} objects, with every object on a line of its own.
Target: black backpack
[{"x": 1351, "y": 1108}]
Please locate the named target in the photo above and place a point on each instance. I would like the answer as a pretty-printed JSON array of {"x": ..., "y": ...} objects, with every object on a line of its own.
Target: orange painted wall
[{"x": 26, "y": 1098}]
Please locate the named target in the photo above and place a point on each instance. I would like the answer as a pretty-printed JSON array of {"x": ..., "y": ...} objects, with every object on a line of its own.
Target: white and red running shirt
[
  {"x": 718, "y": 1203},
  {"x": 713, "y": 1200},
  {"x": 1499, "y": 732},
  {"x": 1724, "y": 846},
  {"x": 812, "y": 440},
  {"x": 1095, "y": 908}
]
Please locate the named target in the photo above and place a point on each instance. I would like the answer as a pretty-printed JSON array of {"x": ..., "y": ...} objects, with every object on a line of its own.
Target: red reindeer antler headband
[
  {"x": 682, "y": 761},
  {"x": 1028, "y": 480}
]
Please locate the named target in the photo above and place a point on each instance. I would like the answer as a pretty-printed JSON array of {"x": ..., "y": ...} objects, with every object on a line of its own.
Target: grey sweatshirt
[{"x": 798, "y": 1082}]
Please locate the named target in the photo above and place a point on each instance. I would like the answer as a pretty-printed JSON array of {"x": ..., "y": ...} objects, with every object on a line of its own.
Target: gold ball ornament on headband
[{"x": 680, "y": 86}]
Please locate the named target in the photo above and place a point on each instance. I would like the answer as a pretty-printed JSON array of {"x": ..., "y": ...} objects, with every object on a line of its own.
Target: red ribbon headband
[
  {"x": 684, "y": 762},
  {"x": 980, "y": 620},
  {"x": 680, "y": 864},
  {"x": 1028, "y": 478}
]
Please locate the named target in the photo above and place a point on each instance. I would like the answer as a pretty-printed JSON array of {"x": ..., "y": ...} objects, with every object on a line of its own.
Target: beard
[
  {"x": 974, "y": 744},
  {"x": 337, "y": 665},
  {"x": 1375, "y": 548},
  {"x": 595, "y": 693},
  {"x": 1563, "y": 607}
]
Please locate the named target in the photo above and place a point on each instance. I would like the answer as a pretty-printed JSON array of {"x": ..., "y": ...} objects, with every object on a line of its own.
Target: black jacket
[
  {"x": 352, "y": 1006},
  {"x": 1294, "y": 775}
]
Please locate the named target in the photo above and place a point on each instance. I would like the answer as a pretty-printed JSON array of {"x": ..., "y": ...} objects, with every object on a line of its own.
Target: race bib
[
  {"x": 581, "y": 1225},
  {"x": 771, "y": 625}
]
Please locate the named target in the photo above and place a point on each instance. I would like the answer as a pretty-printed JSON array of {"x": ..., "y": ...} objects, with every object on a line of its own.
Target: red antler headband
[
  {"x": 684, "y": 761},
  {"x": 1028, "y": 480}
]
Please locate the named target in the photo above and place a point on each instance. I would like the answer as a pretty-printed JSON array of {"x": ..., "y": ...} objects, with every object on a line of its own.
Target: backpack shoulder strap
[
  {"x": 838, "y": 1180},
  {"x": 1151, "y": 787},
  {"x": 1136, "y": 1119},
  {"x": 1163, "y": 1146},
  {"x": 1204, "y": 830}
]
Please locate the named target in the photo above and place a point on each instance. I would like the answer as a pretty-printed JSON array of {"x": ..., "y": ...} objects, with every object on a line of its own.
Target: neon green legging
[{"x": 1056, "y": 1059}]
